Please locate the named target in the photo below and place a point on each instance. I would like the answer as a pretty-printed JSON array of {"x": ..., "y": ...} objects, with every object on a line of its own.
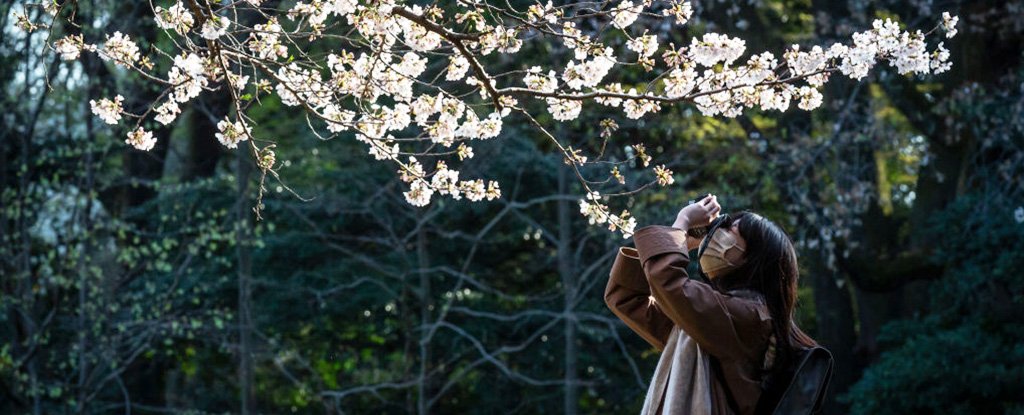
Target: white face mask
[{"x": 723, "y": 254}]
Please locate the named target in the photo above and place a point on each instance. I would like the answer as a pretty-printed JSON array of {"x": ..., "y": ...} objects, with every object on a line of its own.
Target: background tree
[{"x": 140, "y": 280}]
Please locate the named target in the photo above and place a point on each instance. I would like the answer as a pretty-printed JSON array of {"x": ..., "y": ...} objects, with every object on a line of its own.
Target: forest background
[{"x": 141, "y": 282}]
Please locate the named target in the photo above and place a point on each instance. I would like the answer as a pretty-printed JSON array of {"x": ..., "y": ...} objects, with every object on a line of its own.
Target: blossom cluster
[
  {"x": 414, "y": 83},
  {"x": 108, "y": 110}
]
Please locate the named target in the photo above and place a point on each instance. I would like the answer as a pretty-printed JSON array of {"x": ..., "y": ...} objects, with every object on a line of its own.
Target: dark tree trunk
[
  {"x": 243, "y": 217},
  {"x": 203, "y": 150},
  {"x": 424, "y": 387},
  {"x": 568, "y": 275}
]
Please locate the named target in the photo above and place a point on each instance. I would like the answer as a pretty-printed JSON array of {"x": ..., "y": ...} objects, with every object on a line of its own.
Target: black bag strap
[
  {"x": 782, "y": 401},
  {"x": 826, "y": 381}
]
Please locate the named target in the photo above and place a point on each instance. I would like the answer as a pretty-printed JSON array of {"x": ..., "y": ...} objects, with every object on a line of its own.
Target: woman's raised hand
[{"x": 699, "y": 213}]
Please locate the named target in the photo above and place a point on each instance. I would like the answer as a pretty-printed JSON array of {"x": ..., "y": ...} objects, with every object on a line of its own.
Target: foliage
[
  {"x": 384, "y": 62},
  {"x": 965, "y": 355},
  {"x": 141, "y": 280},
  {"x": 92, "y": 297}
]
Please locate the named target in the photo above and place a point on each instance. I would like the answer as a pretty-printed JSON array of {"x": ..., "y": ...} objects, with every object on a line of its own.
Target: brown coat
[{"x": 650, "y": 291}]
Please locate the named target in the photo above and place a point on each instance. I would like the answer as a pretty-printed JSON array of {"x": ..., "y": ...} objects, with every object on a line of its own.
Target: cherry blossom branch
[
  {"x": 456, "y": 39},
  {"x": 389, "y": 85}
]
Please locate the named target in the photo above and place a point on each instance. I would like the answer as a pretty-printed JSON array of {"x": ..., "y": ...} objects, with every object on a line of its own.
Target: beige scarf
[{"x": 682, "y": 379}]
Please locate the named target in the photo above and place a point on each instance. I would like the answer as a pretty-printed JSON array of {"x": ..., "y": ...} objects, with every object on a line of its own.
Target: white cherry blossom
[
  {"x": 120, "y": 49},
  {"x": 810, "y": 98},
  {"x": 404, "y": 79},
  {"x": 626, "y": 14},
  {"x": 176, "y": 17},
  {"x": 141, "y": 139},
  {"x": 69, "y": 47},
  {"x": 419, "y": 193},
  {"x": 457, "y": 68},
  {"x": 215, "y": 27},
  {"x": 949, "y": 24},
  {"x": 680, "y": 81},
  {"x": 108, "y": 110},
  {"x": 682, "y": 11},
  {"x": 644, "y": 45},
  {"x": 714, "y": 48},
  {"x": 231, "y": 133},
  {"x": 167, "y": 112}
]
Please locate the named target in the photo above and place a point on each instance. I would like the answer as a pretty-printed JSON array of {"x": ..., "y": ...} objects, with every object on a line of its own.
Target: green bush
[{"x": 966, "y": 356}]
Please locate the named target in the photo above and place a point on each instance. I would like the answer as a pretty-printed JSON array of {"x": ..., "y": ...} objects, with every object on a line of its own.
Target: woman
[{"x": 718, "y": 340}]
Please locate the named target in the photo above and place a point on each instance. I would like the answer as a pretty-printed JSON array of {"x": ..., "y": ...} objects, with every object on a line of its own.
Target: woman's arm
[
  {"x": 718, "y": 322},
  {"x": 629, "y": 297}
]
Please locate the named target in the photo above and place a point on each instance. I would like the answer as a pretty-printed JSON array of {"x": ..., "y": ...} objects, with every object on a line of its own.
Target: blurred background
[{"x": 141, "y": 282}]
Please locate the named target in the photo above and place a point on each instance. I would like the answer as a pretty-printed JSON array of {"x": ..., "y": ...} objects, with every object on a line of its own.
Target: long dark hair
[{"x": 770, "y": 269}]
